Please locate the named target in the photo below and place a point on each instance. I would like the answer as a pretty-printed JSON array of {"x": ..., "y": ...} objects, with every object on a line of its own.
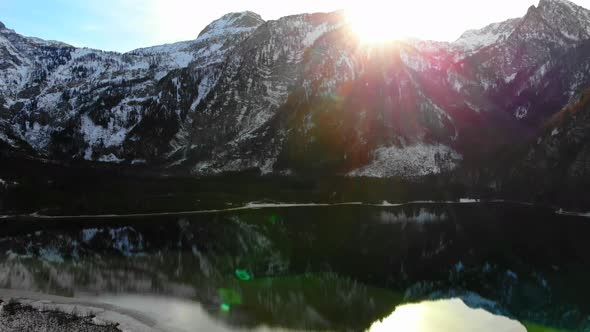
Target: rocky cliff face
[
  {"x": 298, "y": 94},
  {"x": 557, "y": 162}
]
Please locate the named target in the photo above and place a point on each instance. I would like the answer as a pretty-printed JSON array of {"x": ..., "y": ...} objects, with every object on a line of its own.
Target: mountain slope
[
  {"x": 299, "y": 94},
  {"x": 81, "y": 103},
  {"x": 255, "y": 82},
  {"x": 556, "y": 164}
]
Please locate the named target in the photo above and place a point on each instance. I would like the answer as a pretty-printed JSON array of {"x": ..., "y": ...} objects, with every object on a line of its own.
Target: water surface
[{"x": 344, "y": 267}]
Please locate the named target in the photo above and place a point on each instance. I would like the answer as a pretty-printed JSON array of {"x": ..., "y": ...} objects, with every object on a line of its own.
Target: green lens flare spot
[
  {"x": 225, "y": 307},
  {"x": 274, "y": 219},
  {"x": 229, "y": 296},
  {"x": 243, "y": 275}
]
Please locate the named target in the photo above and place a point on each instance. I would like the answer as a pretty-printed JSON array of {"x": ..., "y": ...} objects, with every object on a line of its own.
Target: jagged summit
[
  {"x": 231, "y": 23},
  {"x": 478, "y": 38},
  {"x": 560, "y": 21},
  {"x": 547, "y": 3},
  {"x": 555, "y": 19},
  {"x": 210, "y": 47},
  {"x": 2, "y": 26},
  {"x": 571, "y": 20},
  {"x": 250, "y": 14}
]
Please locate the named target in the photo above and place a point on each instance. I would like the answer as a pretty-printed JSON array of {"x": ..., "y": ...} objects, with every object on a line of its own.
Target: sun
[{"x": 386, "y": 23}]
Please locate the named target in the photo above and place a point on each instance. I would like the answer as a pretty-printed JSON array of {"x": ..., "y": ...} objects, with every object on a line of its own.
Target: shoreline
[
  {"x": 127, "y": 320},
  {"x": 260, "y": 206}
]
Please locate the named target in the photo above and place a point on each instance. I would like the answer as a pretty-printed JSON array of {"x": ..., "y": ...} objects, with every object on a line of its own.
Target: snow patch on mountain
[
  {"x": 521, "y": 112},
  {"x": 110, "y": 158},
  {"x": 316, "y": 33},
  {"x": 37, "y": 135},
  {"x": 415, "y": 61},
  {"x": 50, "y": 254},
  {"x": 456, "y": 81},
  {"x": 510, "y": 78},
  {"x": 473, "y": 40},
  {"x": 410, "y": 161},
  {"x": 94, "y": 134}
]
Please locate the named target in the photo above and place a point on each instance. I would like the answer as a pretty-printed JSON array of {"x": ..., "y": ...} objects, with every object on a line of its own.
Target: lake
[{"x": 347, "y": 267}]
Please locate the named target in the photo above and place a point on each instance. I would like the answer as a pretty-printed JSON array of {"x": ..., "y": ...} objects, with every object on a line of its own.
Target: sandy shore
[{"x": 128, "y": 320}]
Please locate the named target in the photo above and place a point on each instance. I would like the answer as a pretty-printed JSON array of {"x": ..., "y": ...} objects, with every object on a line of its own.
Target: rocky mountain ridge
[{"x": 298, "y": 94}]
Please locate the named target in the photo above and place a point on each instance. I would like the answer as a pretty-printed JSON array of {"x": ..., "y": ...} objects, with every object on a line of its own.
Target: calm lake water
[{"x": 417, "y": 267}]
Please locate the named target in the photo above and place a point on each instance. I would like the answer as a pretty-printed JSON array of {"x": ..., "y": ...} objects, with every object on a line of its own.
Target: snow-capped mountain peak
[
  {"x": 478, "y": 38},
  {"x": 210, "y": 46},
  {"x": 553, "y": 3},
  {"x": 571, "y": 20},
  {"x": 231, "y": 23}
]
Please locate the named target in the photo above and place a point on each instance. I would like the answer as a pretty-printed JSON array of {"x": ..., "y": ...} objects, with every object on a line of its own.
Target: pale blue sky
[{"x": 123, "y": 25}]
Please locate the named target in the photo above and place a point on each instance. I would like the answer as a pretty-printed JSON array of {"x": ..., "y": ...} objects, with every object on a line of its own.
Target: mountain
[
  {"x": 297, "y": 95},
  {"x": 556, "y": 164},
  {"x": 66, "y": 102}
]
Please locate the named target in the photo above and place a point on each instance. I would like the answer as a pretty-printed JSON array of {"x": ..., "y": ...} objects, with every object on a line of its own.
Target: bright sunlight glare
[
  {"x": 444, "y": 316},
  {"x": 378, "y": 25},
  {"x": 381, "y": 21}
]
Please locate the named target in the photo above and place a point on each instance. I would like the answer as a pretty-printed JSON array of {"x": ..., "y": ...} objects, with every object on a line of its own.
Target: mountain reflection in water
[
  {"x": 318, "y": 268},
  {"x": 429, "y": 316},
  {"x": 444, "y": 316}
]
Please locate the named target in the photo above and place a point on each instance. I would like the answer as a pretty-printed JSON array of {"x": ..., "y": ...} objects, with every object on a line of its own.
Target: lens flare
[
  {"x": 379, "y": 25},
  {"x": 243, "y": 275}
]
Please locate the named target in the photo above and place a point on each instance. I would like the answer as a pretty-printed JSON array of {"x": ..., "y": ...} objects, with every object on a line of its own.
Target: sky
[{"x": 124, "y": 25}]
